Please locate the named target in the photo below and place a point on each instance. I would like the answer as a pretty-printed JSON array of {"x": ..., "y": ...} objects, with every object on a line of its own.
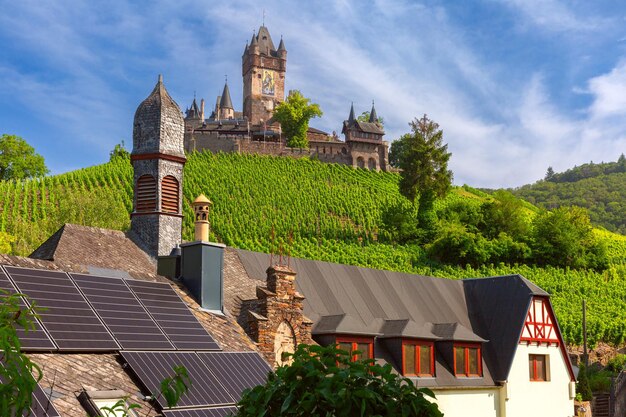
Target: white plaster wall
[
  {"x": 469, "y": 402},
  {"x": 538, "y": 398}
]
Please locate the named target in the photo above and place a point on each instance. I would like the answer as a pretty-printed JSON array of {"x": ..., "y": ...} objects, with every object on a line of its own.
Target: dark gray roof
[
  {"x": 351, "y": 117},
  {"x": 281, "y": 45},
  {"x": 344, "y": 299},
  {"x": 225, "y": 102},
  {"x": 369, "y": 127},
  {"x": 266, "y": 46}
]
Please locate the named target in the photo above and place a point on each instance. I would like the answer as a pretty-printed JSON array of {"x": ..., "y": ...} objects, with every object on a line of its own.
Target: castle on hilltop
[{"x": 254, "y": 129}]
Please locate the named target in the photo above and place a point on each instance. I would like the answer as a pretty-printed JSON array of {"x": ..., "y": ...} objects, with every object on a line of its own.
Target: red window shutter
[
  {"x": 169, "y": 195},
  {"x": 146, "y": 194}
]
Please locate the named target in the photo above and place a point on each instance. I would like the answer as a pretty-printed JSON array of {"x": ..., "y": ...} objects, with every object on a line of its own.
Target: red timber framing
[
  {"x": 540, "y": 324},
  {"x": 363, "y": 344},
  {"x": 463, "y": 363},
  {"x": 414, "y": 353}
]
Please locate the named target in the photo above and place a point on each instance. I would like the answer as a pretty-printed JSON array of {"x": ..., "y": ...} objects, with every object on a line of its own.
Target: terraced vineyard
[{"x": 309, "y": 209}]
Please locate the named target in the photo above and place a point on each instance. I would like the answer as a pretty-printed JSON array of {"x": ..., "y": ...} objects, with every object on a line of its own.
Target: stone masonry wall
[{"x": 279, "y": 322}]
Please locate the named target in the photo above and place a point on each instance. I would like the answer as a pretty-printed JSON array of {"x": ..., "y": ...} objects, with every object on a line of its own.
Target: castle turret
[
  {"x": 158, "y": 158},
  {"x": 373, "y": 115},
  {"x": 226, "y": 105}
]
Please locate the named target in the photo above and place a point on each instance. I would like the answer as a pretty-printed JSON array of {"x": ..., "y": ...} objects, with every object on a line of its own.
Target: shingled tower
[
  {"x": 263, "y": 68},
  {"x": 158, "y": 158}
]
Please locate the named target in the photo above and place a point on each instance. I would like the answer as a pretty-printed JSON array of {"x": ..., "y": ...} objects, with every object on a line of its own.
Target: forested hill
[
  {"x": 332, "y": 213},
  {"x": 600, "y": 188}
]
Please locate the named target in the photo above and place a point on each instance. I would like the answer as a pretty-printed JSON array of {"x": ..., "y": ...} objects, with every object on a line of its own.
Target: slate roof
[
  {"x": 343, "y": 299},
  {"x": 225, "y": 101},
  {"x": 82, "y": 249}
]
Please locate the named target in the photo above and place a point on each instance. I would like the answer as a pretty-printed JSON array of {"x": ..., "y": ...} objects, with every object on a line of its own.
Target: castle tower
[
  {"x": 226, "y": 110},
  {"x": 158, "y": 158},
  {"x": 263, "y": 70}
]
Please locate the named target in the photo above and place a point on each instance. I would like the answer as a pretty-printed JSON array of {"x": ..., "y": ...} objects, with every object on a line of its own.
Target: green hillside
[
  {"x": 600, "y": 188},
  {"x": 310, "y": 210}
]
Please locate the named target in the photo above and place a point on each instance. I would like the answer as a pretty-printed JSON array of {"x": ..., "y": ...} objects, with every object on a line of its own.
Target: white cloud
[{"x": 609, "y": 91}]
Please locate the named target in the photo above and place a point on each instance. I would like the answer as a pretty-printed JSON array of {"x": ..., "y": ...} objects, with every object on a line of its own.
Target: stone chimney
[
  {"x": 278, "y": 323},
  {"x": 202, "y": 110},
  {"x": 202, "y": 262},
  {"x": 158, "y": 158}
]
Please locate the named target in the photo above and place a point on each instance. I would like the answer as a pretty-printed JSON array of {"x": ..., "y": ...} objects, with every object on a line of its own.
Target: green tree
[
  {"x": 505, "y": 214},
  {"x": 564, "y": 237},
  {"x": 323, "y": 381},
  {"x": 16, "y": 369},
  {"x": 18, "y": 159},
  {"x": 549, "y": 174},
  {"x": 423, "y": 159},
  {"x": 365, "y": 117},
  {"x": 6, "y": 240},
  {"x": 119, "y": 152},
  {"x": 294, "y": 114}
]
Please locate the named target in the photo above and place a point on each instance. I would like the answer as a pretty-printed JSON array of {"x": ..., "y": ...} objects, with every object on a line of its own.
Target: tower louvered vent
[
  {"x": 169, "y": 192},
  {"x": 146, "y": 193}
]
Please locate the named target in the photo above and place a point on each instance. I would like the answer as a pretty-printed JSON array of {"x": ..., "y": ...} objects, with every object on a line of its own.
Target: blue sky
[{"x": 516, "y": 86}]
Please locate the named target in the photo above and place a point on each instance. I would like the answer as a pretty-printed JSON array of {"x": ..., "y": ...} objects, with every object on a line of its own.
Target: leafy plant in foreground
[{"x": 323, "y": 381}]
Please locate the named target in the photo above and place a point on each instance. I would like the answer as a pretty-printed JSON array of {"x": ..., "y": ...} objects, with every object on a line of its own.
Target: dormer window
[
  {"x": 351, "y": 344},
  {"x": 418, "y": 358},
  {"x": 467, "y": 360}
]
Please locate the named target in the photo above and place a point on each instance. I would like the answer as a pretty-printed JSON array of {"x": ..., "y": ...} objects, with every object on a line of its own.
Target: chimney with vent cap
[{"x": 202, "y": 261}]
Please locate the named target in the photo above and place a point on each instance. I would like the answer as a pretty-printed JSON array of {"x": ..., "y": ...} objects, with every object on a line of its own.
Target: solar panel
[
  {"x": 172, "y": 315},
  {"x": 68, "y": 318},
  {"x": 202, "y": 412},
  {"x": 120, "y": 310},
  {"x": 237, "y": 370},
  {"x": 41, "y": 405},
  {"x": 152, "y": 367},
  {"x": 34, "y": 339}
]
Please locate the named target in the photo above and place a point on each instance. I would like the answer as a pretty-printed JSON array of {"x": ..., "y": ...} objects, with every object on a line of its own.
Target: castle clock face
[{"x": 268, "y": 85}]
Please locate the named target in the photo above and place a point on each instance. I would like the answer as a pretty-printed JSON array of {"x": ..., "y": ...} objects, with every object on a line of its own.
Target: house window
[
  {"x": 418, "y": 358},
  {"x": 105, "y": 403},
  {"x": 538, "y": 367},
  {"x": 365, "y": 346},
  {"x": 467, "y": 360}
]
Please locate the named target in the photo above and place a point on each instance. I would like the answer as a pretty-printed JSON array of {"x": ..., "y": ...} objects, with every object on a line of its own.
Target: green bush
[{"x": 323, "y": 381}]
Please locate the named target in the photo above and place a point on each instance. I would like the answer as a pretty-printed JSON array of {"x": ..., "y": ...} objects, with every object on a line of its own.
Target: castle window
[
  {"x": 467, "y": 360},
  {"x": 360, "y": 162},
  {"x": 146, "y": 194},
  {"x": 418, "y": 358},
  {"x": 371, "y": 164},
  {"x": 169, "y": 195}
]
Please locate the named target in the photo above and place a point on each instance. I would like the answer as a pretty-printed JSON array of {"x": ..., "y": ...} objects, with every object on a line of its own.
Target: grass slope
[{"x": 310, "y": 210}]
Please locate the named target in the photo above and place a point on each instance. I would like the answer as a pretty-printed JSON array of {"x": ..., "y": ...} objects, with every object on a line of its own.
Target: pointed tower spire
[
  {"x": 225, "y": 101},
  {"x": 351, "y": 118},
  {"x": 281, "y": 45},
  {"x": 373, "y": 115}
]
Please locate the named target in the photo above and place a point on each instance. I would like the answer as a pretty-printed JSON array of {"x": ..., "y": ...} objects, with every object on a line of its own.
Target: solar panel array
[
  {"x": 217, "y": 378},
  {"x": 172, "y": 315},
  {"x": 237, "y": 370},
  {"x": 148, "y": 322},
  {"x": 41, "y": 405},
  {"x": 152, "y": 367},
  {"x": 93, "y": 313},
  {"x": 202, "y": 412},
  {"x": 122, "y": 313},
  {"x": 68, "y": 318},
  {"x": 33, "y": 339}
]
